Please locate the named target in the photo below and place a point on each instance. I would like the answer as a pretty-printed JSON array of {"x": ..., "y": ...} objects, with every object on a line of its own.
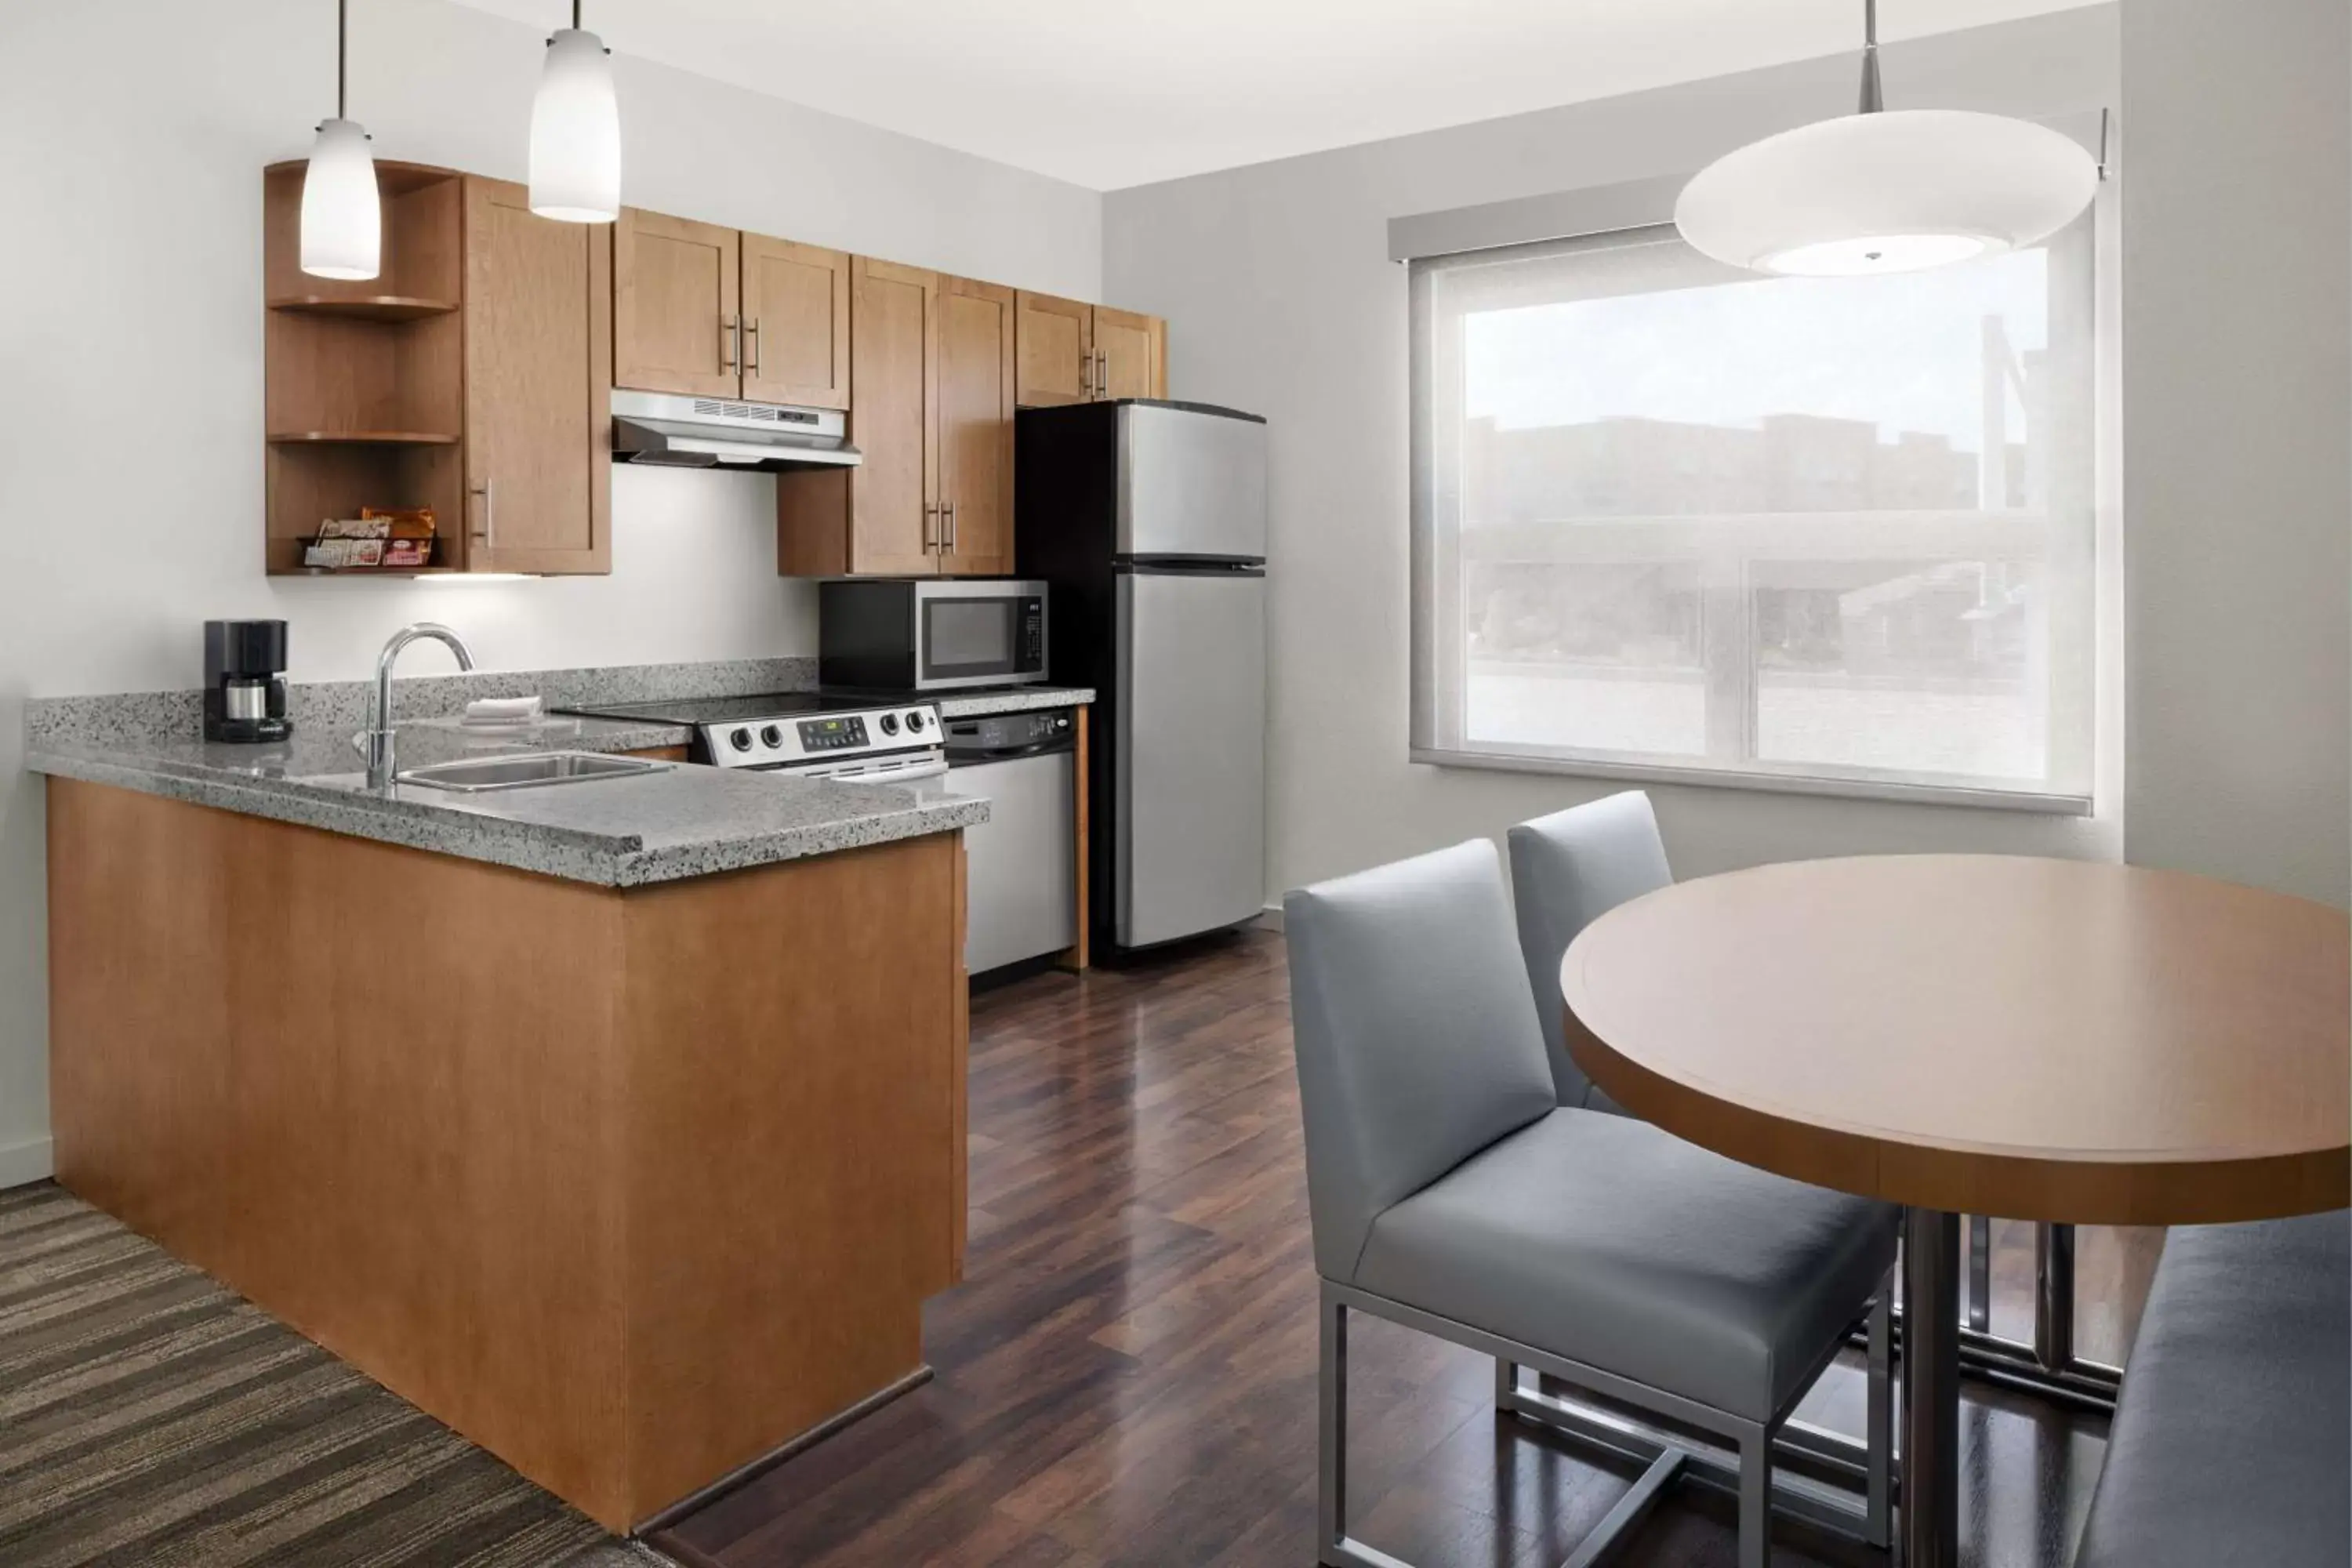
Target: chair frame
[{"x": 1747, "y": 1471}]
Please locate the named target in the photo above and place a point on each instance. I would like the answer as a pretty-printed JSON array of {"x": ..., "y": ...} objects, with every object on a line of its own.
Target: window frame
[{"x": 1435, "y": 563}]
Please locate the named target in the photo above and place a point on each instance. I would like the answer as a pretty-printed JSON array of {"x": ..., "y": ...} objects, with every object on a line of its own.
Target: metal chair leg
[
  {"x": 1980, "y": 1273},
  {"x": 1506, "y": 1382},
  {"x": 1878, "y": 1431},
  {"x": 1755, "y": 1499},
  {"x": 1331, "y": 1438}
]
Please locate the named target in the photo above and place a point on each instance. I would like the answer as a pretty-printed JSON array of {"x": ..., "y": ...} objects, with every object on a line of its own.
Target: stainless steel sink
[{"x": 528, "y": 770}]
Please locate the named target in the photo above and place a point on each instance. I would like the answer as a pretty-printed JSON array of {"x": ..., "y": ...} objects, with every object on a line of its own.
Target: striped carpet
[{"x": 150, "y": 1416}]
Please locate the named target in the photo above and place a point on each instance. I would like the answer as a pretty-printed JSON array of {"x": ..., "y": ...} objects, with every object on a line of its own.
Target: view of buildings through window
[{"x": 1829, "y": 527}]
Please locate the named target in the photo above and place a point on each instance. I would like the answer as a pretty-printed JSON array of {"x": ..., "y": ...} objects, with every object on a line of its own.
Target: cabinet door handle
[
  {"x": 1086, "y": 377},
  {"x": 730, "y": 342},
  {"x": 488, "y": 532},
  {"x": 1102, "y": 373},
  {"x": 929, "y": 513},
  {"x": 751, "y": 330},
  {"x": 952, "y": 528}
]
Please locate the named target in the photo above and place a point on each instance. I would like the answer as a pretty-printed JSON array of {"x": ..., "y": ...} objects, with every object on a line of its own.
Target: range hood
[{"x": 723, "y": 433}]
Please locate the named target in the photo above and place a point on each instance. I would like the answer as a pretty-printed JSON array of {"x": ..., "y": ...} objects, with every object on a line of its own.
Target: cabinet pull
[
  {"x": 949, "y": 546},
  {"x": 730, "y": 342},
  {"x": 930, "y": 513},
  {"x": 751, "y": 331},
  {"x": 1086, "y": 377},
  {"x": 488, "y": 532},
  {"x": 1102, "y": 373}
]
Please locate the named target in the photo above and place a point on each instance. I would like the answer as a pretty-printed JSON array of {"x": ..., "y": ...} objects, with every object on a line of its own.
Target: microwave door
[{"x": 978, "y": 638}]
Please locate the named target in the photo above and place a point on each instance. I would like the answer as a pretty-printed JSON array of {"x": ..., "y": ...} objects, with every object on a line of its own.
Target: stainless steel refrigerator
[{"x": 1149, "y": 520}]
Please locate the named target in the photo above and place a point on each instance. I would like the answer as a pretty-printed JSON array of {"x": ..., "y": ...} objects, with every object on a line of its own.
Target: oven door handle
[{"x": 852, "y": 774}]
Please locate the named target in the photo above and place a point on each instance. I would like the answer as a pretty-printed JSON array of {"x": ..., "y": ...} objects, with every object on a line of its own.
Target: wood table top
[{"x": 2032, "y": 1038}]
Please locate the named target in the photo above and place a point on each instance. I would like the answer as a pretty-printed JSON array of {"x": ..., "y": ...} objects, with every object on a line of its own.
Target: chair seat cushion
[
  {"x": 2233, "y": 1437},
  {"x": 1606, "y": 1241}
]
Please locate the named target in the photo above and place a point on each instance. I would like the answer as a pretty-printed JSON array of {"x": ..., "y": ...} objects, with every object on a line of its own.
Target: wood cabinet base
[{"x": 628, "y": 1187}]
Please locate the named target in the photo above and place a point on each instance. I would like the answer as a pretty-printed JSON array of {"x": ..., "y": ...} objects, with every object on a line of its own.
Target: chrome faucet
[{"x": 376, "y": 739}]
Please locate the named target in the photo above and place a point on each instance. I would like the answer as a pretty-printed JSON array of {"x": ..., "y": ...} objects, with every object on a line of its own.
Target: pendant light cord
[
  {"x": 342, "y": 24},
  {"x": 575, "y": 16},
  {"x": 1872, "y": 100}
]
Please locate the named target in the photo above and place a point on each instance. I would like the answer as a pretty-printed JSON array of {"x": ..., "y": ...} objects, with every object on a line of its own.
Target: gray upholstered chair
[
  {"x": 1569, "y": 869},
  {"x": 1449, "y": 1190}
]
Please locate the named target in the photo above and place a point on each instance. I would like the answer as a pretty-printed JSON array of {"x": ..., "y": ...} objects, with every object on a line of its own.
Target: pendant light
[
  {"x": 343, "y": 216},
  {"x": 1879, "y": 191},
  {"x": 575, "y": 130}
]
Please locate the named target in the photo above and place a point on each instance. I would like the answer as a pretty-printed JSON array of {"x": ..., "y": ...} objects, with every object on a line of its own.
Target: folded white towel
[{"x": 487, "y": 712}]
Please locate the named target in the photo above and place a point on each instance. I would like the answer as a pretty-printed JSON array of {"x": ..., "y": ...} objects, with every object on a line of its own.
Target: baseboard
[
  {"x": 1268, "y": 918},
  {"x": 30, "y": 1161}
]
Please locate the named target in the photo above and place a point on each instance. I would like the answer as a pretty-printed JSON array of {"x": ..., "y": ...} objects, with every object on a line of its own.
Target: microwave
[{"x": 926, "y": 634}]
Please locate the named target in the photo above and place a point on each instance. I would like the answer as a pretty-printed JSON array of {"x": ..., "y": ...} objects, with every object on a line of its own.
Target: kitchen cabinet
[
  {"x": 1070, "y": 352},
  {"x": 538, "y": 430},
  {"x": 976, "y": 333},
  {"x": 472, "y": 376},
  {"x": 931, "y": 357},
  {"x": 707, "y": 311},
  {"x": 677, "y": 309}
]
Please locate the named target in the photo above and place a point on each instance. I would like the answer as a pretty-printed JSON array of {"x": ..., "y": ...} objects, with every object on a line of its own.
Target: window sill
[{"x": 1772, "y": 783}]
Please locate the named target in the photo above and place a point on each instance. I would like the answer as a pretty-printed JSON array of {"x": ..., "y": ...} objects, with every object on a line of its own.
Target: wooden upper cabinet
[
  {"x": 676, "y": 305},
  {"x": 976, "y": 333},
  {"x": 1055, "y": 339},
  {"x": 538, "y": 401},
  {"x": 1074, "y": 353},
  {"x": 881, "y": 516},
  {"x": 1130, "y": 354},
  {"x": 795, "y": 323}
]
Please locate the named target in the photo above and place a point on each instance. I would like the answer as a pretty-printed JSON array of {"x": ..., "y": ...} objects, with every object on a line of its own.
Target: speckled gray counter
[
  {"x": 1010, "y": 699},
  {"x": 619, "y": 832},
  {"x": 622, "y": 832}
]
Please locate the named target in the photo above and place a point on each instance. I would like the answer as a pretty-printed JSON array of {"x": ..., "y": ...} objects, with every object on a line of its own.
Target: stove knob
[
  {"x": 771, "y": 738},
  {"x": 740, "y": 740},
  {"x": 890, "y": 723},
  {"x": 915, "y": 721}
]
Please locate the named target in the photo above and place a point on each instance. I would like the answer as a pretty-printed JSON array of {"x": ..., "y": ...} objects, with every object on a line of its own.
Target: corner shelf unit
[{"x": 365, "y": 380}]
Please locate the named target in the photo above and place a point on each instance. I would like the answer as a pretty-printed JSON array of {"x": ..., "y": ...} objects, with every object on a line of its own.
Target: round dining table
[{"x": 2033, "y": 1040}]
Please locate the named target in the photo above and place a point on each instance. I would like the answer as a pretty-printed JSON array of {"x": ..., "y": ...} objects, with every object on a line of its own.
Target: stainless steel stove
[{"x": 808, "y": 734}]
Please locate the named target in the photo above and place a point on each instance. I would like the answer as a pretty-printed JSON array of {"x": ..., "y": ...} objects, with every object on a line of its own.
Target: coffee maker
[{"x": 245, "y": 681}]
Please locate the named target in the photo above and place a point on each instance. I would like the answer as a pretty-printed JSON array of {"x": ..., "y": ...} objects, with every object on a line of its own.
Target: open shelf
[
  {"x": 363, "y": 438},
  {"x": 370, "y": 308}
]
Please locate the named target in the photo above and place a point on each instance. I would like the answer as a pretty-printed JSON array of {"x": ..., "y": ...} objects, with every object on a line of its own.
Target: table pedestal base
[{"x": 1931, "y": 1389}]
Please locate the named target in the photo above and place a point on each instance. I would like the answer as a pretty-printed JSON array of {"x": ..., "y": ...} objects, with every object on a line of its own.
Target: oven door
[{"x": 979, "y": 634}]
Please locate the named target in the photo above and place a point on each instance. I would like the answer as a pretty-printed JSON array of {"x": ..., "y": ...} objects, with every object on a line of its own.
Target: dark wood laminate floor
[{"x": 1127, "y": 1375}]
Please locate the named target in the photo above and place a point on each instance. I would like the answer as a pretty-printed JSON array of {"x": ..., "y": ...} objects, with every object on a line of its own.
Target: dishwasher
[{"x": 1022, "y": 889}]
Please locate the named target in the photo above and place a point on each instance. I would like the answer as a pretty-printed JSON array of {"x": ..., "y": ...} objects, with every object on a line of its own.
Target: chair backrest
[
  {"x": 1569, "y": 869},
  {"x": 1416, "y": 1039}
]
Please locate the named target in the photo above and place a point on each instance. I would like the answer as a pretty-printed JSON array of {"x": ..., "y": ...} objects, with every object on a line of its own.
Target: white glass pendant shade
[
  {"x": 343, "y": 216},
  {"x": 1892, "y": 191},
  {"x": 575, "y": 132}
]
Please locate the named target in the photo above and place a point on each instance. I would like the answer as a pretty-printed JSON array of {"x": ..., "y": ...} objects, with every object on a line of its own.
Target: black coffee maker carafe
[{"x": 245, "y": 681}]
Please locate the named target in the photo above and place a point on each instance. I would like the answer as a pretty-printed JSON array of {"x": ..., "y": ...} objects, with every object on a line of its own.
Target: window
[{"x": 1675, "y": 519}]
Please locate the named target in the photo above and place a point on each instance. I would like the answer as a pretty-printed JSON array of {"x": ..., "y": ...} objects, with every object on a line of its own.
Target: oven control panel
[{"x": 797, "y": 738}]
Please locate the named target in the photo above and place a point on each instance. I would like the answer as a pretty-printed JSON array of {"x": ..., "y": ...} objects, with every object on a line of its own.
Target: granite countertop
[
  {"x": 975, "y": 704},
  {"x": 682, "y": 821}
]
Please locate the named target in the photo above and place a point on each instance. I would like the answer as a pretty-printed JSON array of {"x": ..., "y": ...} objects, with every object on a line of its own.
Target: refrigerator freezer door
[
  {"x": 1191, "y": 483},
  {"x": 1189, "y": 846}
]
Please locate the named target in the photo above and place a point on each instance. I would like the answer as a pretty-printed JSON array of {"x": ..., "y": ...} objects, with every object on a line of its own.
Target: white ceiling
[{"x": 1108, "y": 93}]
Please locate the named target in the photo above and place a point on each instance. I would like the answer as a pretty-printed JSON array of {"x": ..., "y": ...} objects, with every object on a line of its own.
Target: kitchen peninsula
[{"x": 617, "y": 1124}]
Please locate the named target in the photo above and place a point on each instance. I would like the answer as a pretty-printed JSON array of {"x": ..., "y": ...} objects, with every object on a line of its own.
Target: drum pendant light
[
  {"x": 575, "y": 130},
  {"x": 343, "y": 216},
  {"x": 1879, "y": 191}
]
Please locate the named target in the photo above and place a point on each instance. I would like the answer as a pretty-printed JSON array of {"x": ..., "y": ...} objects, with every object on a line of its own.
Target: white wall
[
  {"x": 2238, "y": 485},
  {"x": 1281, "y": 300},
  {"x": 131, "y": 396}
]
